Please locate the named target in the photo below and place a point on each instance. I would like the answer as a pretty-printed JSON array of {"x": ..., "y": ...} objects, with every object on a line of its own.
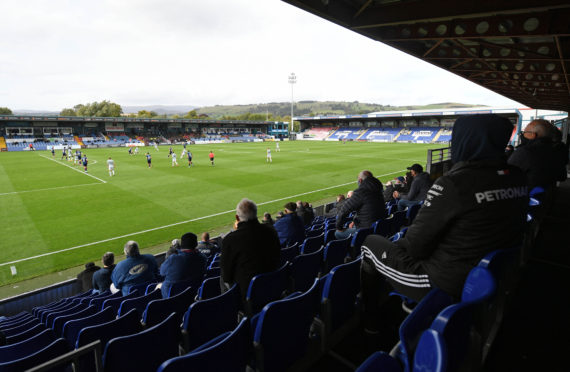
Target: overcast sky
[{"x": 58, "y": 53}]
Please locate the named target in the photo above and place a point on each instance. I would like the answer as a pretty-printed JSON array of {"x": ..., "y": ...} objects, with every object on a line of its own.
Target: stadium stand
[{"x": 318, "y": 133}]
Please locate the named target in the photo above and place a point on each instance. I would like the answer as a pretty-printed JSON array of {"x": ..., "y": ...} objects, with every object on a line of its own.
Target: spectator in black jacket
[
  {"x": 85, "y": 277},
  {"x": 368, "y": 203},
  {"x": 477, "y": 207},
  {"x": 418, "y": 190},
  {"x": 102, "y": 277},
  {"x": 206, "y": 246},
  {"x": 251, "y": 249}
]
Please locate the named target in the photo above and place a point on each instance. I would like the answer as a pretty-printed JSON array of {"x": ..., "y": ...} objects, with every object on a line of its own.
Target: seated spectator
[
  {"x": 418, "y": 190},
  {"x": 187, "y": 264},
  {"x": 85, "y": 277},
  {"x": 536, "y": 156},
  {"x": 397, "y": 184},
  {"x": 305, "y": 212},
  {"x": 135, "y": 269},
  {"x": 368, "y": 203},
  {"x": 290, "y": 227},
  {"x": 477, "y": 207},
  {"x": 102, "y": 277},
  {"x": 173, "y": 249},
  {"x": 251, "y": 249},
  {"x": 334, "y": 210},
  {"x": 206, "y": 246},
  {"x": 267, "y": 219}
]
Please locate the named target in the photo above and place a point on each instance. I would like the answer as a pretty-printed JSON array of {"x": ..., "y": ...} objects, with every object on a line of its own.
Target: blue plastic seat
[
  {"x": 412, "y": 212},
  {"x": 264, "y": 288},
  {"x": 59, "y": 322},
  {"x": 149, "y": 348},
  {"x": 289, "y": 253},
  {"x": 125, "y": 325},
  {"x": 329, "y": 235},
  {"x": 210, "y": 318},
  {"x": 281, "y": 333},
  {"x": 380, "y": 361},
  {"x": 38, "y": 328},
  {"x": 138, "y": 303},
  {"x": 20, "y": 328},
  {"x": 398, "y": 221},
  {"x": 98, "y": 302},
  {"x": 140, "y": 287},
  {"x": 335, "y": 252},
  {"x": 9, "y": 319},
  {"x": 312, "y": 233},
  {"x": 51, "y": 316},
  {"x": 431, "y": 353},
  {"x": 17, "y": 322},
  {"x": 115, "y": 302},
  {"x": 72, "y": 328},
  {"x": 304, "y": 269},
  {"x": 158, "y": 310},
  {"x": 87, "y": 299},
  {"x": 53, "y": 350},
  {"x": 228, "y": 352},
  {"x": 213, "y": 272},
  {"x": 37, "y": 309},
  {"x": 383, "y": 226},
  {"x": 43, "y": 314},
  {"x": 210, "y": 288},
  {"x": 358, "y": 239},
  {"x": 26, "y": 347},
  {"x": 180, "y": 286},
  {"x": 312, "y": 244}
]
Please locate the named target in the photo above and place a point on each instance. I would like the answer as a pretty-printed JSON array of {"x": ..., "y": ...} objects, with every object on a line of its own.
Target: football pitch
[{"x": 55, "y": 216}]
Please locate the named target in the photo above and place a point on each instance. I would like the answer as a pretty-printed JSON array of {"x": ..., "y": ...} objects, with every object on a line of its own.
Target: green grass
[{"x": 48, "y": 207}]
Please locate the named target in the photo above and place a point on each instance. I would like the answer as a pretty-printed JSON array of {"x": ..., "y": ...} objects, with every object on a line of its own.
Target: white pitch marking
[
  {"x": 49, "y": 188},
  {"x": 77, "y": 170},
  {"x": 179, "y": 223}
]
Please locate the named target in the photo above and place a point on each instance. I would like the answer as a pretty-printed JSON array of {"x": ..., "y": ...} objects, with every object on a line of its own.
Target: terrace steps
[
  {"x": 3, "y": 146},
  {"x": 439, "y": 132},
  {"x": 397, "y": 135},
  {"x": 78, "y": 140}
]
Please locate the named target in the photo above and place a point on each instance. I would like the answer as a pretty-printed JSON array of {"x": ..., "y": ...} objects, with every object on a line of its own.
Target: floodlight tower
[{"x": 292, "y": 81}]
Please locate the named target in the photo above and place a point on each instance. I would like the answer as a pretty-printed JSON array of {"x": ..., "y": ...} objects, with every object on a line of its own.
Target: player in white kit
[
  {"x": 269, "y": 160},
  {"x": 174, "y": 162},
  {"x": 277, "y": 147},
  {"x": 111, "y": 166}
]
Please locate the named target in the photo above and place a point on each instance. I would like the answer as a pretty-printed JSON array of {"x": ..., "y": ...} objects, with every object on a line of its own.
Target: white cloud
[{"x": 59, "y": 53}]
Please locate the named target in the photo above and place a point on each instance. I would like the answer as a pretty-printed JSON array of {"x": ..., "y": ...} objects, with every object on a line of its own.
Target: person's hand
[
  {"x": 396, "y": 194},
  {"x": 351, "y": 225}
]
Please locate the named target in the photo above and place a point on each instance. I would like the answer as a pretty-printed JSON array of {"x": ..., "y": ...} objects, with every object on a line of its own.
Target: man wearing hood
[
  {"x": 368, "y": 202},
  {"x": 477, "y": 207}
]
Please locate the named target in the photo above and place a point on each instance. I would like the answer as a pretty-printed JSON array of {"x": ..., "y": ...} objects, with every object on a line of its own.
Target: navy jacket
[
  {"x": 102, "y": 279},
  {"x": 133, "y": 271},
  {"x": 368, "y": 202},
  {"x": 290, "y": 229},
  {"x": 185, "y": 265}
]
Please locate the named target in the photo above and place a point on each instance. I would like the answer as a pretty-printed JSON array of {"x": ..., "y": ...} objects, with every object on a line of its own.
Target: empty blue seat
[
  {"x": 140, "y": 287},
  {"x": 38, "y": 328},
  {"x": 228, "y": 352},
  {"x": 72, "y": 328},
  {"x": 312, "y": 244},
  {"x": 281, "y": 333},
  {"x": 115, "y": 302},
  {"x": 384, "y": 226},
  {"x": 138, "y": 303},
  {"x": 412, "y": 212},
  {"x": 158, "y": 310},
  {"x": 37, "y": 309},
  {"x": 329, "y": 235},
  {"x": 125, "y": 325},
  {"x": 312, "y": 233},
  {"x": 59, "y": 322},
  {"x": 431, "y": 353},
  {"x": 42, "y": 314},
  {"x": 51, "y": 316},
  {"x": 26, "y": 347},
  {"x": 17, "y": 322},
  {"x": 289, "y": 253},
  {"x": 380, "y": 361},
  {"x": 358, "y": 239},
  {"x": 53, "y": 350},
  {"x": 149, "y": 348},
  {"x": 8, "y": 319},
  {"x": 210, "y": 273},
  {"x": 179, "y": 287},
  {"x": 210, "y": 288},
  {"x": 98, "y": 302},
  {"x": 20, "y": 328},
  {"x": 210, "y": 318},
  {"x": 398, "y": 221},
  {"x": 335, "y": 253},
  {"x": 264, "y": 288},
  {"x": 304, "y": 269}
]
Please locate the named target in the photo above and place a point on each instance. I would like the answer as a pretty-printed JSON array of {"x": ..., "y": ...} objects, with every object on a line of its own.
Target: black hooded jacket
[
  {"x": 368, "y": 202},
  {"x": 477, "y": 207}
]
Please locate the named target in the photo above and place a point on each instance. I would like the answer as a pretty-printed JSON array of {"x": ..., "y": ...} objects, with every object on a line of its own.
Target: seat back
[
  {"x": 138, "y": 303},
  {"x": 125, "y": 325},
  {"x": 14, "y": 323},
  {"x": 339, "y": 295},
  {"x": 115, "y": 302},
  {"x": 87, "y": 299},
  {"x": 43, "y": 314},
  {"x": 289, "y": 253},
  {"x": 264, "y": 288},
  {"x": 281, "y": 333},
  {"x": 335, "y": 252},
  {"x": 139, "y": 287},
  {"x": 158, "y": 310},
  {"x": 384, "y": 226},
  {"x": 312, "y": 244},
  {"x": 380, "y": 361},
  {"x": 26, "y": 347},
  {"x": 19, "y": 328},
  {"x": 98, "y": 301},
  {"x": 152, "y": 347},
  {"x": 304, "y": 269},
  {"x": 181, "y": 286},
  {"x": 228, "y": 353},
  {"x": 9, "y": 319},
  {"x": 210, "y": 288},
  {"x": 418, "y": 321},
  {"x": 61, "y": 320},
  {"x": 210, "y": 318},
  {"x": 329, "y": 235},
  {"x": 51, "y": 351},
  {"x": 53, "y": 315},
  {"x": 398, "y": 220},
  {"x": 358, "y": 239},
  {"x": 72, "y": 328},
  {"x": 213, "y": 272},
  {"x": 25, "y": 334},
  {"x": 431, "y": 353},
  {"x": 412, "y": 212}
]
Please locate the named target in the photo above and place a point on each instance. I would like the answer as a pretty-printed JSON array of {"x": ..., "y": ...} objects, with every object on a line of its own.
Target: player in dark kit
[
  {"x": 148, "y": 159},
  {"x": 189, "y": 159},
  {"x": 130, "y": 150},
  {"x": 84, "y": 162},
  {"x": 52, "y": 152},
  {"x": 170, "y": 152}
]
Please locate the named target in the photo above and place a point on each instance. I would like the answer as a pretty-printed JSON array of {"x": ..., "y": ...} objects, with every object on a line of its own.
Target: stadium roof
[{"x": 517, "y": 48}]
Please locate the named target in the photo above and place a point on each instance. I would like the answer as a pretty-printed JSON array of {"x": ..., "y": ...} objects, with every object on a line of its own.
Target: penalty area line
[
  {"x": 77, "y": 170},
  {"x": 49, "y": 188},
  {"x": 178, "y": 223}
]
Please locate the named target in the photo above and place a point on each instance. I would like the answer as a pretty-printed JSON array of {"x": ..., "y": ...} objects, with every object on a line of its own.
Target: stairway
[
  {"x": 436, "y": 137},
  {"x": 79, "y": 141},
  {"x": 3, "y": 146},
  {"x": 397, "y": 135}
]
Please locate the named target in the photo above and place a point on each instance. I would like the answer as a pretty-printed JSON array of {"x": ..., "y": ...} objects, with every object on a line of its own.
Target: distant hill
[
  {"x": 314, "y": 108},
  {"x": 159, "y": 109}
]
